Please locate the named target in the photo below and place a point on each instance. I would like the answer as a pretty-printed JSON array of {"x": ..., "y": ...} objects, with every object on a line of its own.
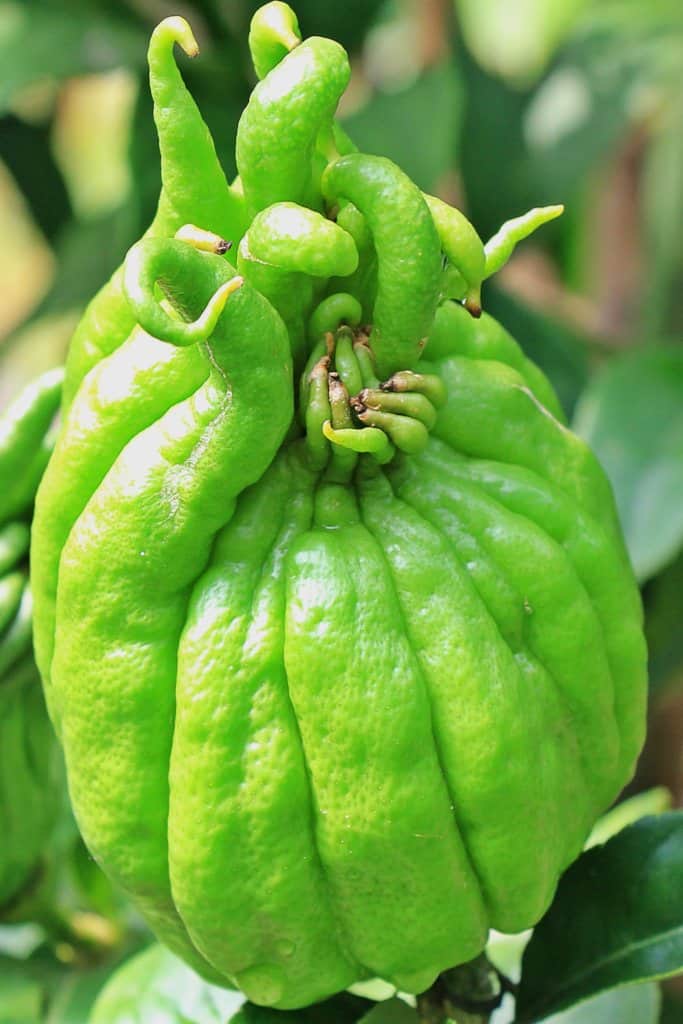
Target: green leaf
[
  {"x": 637, "y": 1004},
  {"x": 344, "y": 1008},
  {"x": 26, "y": 150},
  {"x": 515, "y": 39},
  {"x": 595, "y": 87},
  {"x": 652, "y": 801},
  {"x": 672, "y": 1008},
  {"x": 75, "y": 997},
  {"x": 616, "y": 919},
  {"x": 39, "y": 41},
  {"x": 157, "y": 986},
  {"x": 87, "y": 253},
  {"x": 578, "y": 114},
  {"x": 18, "y": 941},
  {"x": 492, "y": 152},
  {"x": 393, "y": 1011},
  {"x": 633, "y": 1004},
  {"x": 663, "y": 599},
  {"x": 663, "y": 214},
  {"x": 400, "y": 125},
  {"x": 21, "y": 996},
  {"x": 632, "y": 416},
  {"x": 250, "y": 1014},
  {"x": 540, "y": 145},
  {"x": 93, "y": 887}
]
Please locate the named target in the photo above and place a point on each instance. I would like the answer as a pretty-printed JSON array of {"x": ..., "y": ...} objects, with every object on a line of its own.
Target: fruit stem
[{"x": 467, "y": 994}]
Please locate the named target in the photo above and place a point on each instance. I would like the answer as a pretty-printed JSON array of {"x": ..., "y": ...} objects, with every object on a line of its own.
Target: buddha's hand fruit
[{"x": 342, "y": 681}]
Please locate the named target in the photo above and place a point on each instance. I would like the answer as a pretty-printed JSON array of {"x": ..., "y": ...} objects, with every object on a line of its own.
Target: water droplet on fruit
[
  {"x": 285, "y": 948},
  {"x": 263, "y": 984}
]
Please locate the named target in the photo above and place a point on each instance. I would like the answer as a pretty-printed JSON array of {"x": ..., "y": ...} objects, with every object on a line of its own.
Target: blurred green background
[{"x": 495, "y": 105}]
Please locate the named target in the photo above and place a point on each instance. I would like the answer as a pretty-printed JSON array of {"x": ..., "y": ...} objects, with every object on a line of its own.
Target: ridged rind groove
[
  {"x": 514, "y": 519},
  {"x": 561, "y": 856},
  {"x": 265, "y": 511},
  {"x": 486, "y": 883},
  {"x": 344, "y": 939},
  {"x": 341, "y": 567},
  {"x": 497, "y": 485},
  {"x": 437, "y": 744}
]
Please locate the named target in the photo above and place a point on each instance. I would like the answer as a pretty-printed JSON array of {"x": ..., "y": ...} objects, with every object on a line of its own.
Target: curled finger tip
[{"x": 177, "y": 29}]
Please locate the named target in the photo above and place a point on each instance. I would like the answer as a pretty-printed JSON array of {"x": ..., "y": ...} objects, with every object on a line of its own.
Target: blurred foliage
[
  {"x": 642, "y": 452},
  {"x": 496, "y": 106},
  {"x": 615, "y": 919}
]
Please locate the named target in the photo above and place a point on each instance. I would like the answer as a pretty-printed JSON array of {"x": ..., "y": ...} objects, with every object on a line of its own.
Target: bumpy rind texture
[{"x": 326, "y": 732}]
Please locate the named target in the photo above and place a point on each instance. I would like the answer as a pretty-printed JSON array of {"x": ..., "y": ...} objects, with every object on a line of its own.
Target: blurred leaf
[
  {"x": 560, "y": 353},
  {"x": 143, "y": 156},
  {"x": 344, "y": 1008},
  {"x": 157, "y": 986},
  {"x": 39, "y": 346},
  {"x": 39, "y": 41},
  {"x": 636, "y": 1004},
  {"x": 672, "y": 1008},
  {"x": 538, "y": 145},
  {"x": 90, "y": 139},
  {"x": 417, "y": 127},
  {"x": 221, "y": 91},
  {"x": 577, "y": 115},
  {"x": 21, "y": 998},
  {"x": 26, "y": 261},
  {"x": 632, "y": 1004},
  {"x": 663, "y": 216},
  {"x": 393, "y": 1011},
  {"x": 26, "y": 986},
  {"x": 87, "y": 254},
  {"x": 27, "y": 153},
  {"x": 615, "y": 71},
  {"x": 505, "y": 951},
  {"x": 373, "y": 989},
  {"x": 652, "y": 801},
  {"x": 615, "y": 919},
  {"x": 663, "y": 600},
  {"x": 492, "y": 151},
  {"x": 632, "y": 416},
  {"x": 93, "y": 886},
  {"x": 75, "y": 997},
  {"x": 19, "y": 940},
  {"x": 515, "y": 39},
  {"x": 250, "y": 1014}
]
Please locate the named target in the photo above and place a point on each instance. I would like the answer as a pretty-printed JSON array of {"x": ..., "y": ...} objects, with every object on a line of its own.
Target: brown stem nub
[
  {"x": 467, "y": 994},
  {"x": 339, "y": 402},
  {"x": 473, "y": 307},
  {"x": 358, "y": 407}
]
